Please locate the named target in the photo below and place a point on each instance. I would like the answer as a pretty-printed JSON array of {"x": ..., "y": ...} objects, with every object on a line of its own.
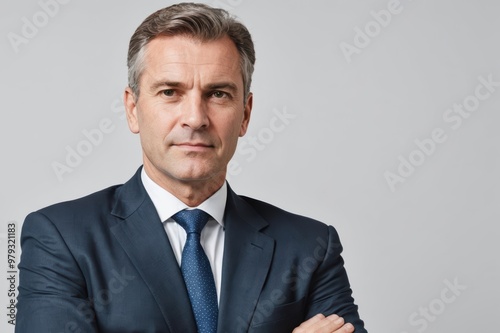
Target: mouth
[{"x": 193, "y": 146}]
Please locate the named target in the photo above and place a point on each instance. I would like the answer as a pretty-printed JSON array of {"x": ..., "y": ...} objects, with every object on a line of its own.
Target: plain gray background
[{"x": 328, "y": 127}]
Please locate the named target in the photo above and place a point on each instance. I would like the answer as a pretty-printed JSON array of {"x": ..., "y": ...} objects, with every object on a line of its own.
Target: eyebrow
[
  {"x": 223, "y": 85},
  {"x": 160, "y": 84},
  {"x": 212, "y": 86}
]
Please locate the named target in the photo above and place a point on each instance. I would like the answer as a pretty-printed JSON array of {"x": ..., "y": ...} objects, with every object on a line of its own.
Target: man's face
[{"x": 190, "y": 110}]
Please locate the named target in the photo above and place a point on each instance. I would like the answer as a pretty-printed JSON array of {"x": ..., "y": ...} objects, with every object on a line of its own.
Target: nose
[{"x": 194, "y": 114}]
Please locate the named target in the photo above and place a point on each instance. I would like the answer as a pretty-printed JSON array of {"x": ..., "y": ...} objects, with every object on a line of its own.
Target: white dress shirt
[{"x": 212, "y": 235}]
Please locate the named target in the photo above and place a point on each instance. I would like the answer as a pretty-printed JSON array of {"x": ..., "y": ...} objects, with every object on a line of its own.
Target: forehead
[{"x": 170, "y": 53}]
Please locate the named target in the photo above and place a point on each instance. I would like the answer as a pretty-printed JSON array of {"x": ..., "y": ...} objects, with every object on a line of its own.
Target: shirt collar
[{"x": 167, "y": 204}]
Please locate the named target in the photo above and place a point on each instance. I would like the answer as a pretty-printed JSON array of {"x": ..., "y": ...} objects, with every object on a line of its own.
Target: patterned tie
[{"x": 196, "y": 270}]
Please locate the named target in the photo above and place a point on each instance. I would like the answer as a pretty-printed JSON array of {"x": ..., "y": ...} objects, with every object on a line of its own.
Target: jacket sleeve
[
  {"x": 330, "y": 291},
  {"x": 52, "y": 293}
]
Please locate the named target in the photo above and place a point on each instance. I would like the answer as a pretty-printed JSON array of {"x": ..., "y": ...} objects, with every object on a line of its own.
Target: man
[{"x": 125, "y": 259}]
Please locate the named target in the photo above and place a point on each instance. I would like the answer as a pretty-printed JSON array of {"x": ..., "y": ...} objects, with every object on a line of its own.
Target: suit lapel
[
  {"x": 140, "y": 232},
  {"x": 247, "y": 257}
]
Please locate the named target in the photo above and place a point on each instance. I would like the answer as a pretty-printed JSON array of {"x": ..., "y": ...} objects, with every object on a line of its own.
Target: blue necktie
[{"x": 196, "y": 270}]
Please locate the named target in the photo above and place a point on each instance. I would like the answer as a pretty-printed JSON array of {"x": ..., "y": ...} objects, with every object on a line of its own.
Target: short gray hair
[{"x": 194, "y": 20}]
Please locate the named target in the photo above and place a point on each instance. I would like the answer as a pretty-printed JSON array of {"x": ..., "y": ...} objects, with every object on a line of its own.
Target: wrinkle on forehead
[
  {"x": 195, "y": 51},
  {"x": 189, "y": 59}
]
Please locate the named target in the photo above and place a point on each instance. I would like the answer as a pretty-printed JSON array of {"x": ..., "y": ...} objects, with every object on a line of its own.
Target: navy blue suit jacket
[{"x": 103, "y": 263}]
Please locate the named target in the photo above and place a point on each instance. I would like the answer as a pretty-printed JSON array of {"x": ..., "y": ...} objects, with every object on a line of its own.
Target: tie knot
[{"x": 192, "y": 220}]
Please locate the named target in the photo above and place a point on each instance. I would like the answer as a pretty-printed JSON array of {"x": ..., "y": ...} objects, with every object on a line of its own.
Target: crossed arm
[
  {"x": 44, "y": 247},
  {"x": 331, "y": 279},
  {"x": 322, "y": 324}
]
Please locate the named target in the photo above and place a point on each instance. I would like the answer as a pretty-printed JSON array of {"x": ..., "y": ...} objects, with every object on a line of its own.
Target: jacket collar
[
  {"x": 248, "y": 254},
  {"x": 247, "y": 258},
  {"x": 141, "y": 235}
]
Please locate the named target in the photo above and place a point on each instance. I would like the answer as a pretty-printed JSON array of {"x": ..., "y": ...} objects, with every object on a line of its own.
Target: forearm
[{"x": 322, "y": 324}]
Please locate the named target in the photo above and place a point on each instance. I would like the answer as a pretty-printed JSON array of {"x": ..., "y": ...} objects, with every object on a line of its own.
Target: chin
[
  {"x": 205, "y": 176},
  {"x": 195, "y": 176}
]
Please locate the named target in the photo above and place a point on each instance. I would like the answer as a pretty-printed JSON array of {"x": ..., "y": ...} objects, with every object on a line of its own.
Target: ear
[
  {"x": 246, "y": 114},
  {"x": 130, "y": 102}
]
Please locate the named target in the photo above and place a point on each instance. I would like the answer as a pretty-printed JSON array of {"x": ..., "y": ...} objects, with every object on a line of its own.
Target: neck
[{"x": 190, "y": 192}]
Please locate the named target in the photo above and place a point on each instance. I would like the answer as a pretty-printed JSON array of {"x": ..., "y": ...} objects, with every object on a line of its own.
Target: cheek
[
  {"x": 155, "y": 122},
  {"x": 231, "y": 140},
  {"x": 231, "y": 130}
]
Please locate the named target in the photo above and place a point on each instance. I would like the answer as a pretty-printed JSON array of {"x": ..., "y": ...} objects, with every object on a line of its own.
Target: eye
[
  {"x": 219, "y": 94},
  {"x": 168, "y": 92}
]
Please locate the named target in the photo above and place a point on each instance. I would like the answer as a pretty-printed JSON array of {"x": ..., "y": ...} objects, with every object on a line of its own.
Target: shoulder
[
  {"x": 271, "y": 211},
  {"x": 280, "y": 219},
  {"x": 98, "y": 201},
  {"x": 294, "y": 233},
  {"x": 74, "y": 215}
]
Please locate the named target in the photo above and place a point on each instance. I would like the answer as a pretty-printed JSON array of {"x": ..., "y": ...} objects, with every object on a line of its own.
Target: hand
[{"x": 321, "y": 324}]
